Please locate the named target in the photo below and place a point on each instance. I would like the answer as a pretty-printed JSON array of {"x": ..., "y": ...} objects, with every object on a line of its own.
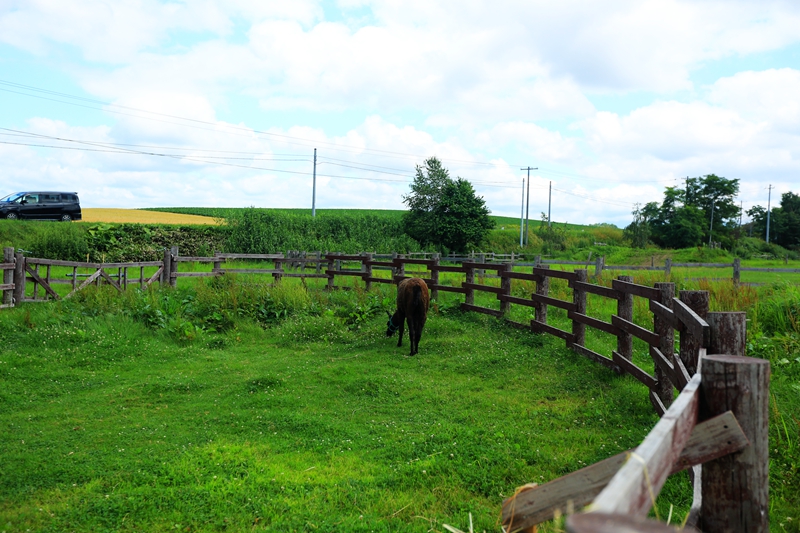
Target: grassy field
[{"x": 231, "y": 405}]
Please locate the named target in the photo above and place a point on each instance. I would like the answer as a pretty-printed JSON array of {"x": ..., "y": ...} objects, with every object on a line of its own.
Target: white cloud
[
  {"x": 767, "y": 96},
  {"x": 465, "y": 81}
]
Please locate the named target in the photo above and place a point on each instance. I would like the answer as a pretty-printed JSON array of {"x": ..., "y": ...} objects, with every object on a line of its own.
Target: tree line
[{"x": 704, "y": 210}]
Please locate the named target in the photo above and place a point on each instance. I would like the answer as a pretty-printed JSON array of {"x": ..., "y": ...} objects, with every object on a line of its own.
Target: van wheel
[
  {"x": 11, "y": 216},
  {"x": 66, "y": 218}
]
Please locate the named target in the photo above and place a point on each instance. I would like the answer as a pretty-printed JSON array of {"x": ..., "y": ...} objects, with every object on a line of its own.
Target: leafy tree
[
  {"x": 784, "y": 221},
  {"x": 444, "y": 212},
  {"x": 684, "y": 217},
  {"x": 787, "y": 221},
  {"x": 638, "y": 231},
  {"x": 758, "y": 217}
]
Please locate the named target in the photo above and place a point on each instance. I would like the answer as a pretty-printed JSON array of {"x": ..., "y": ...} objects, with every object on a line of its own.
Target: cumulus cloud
[{"x": 377, "y": 86}]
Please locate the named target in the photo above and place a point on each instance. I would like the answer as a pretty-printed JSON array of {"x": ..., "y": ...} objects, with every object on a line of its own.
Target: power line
[
  {"x": 116, "y": 108},
  {"x": 232, "y": 129}
]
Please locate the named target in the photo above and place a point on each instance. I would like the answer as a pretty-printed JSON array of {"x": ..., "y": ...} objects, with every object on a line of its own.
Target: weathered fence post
[
  {"x": 217, "y": 263},
  {"x": 625, "y": 312},
  {"x": 331, "y": 265},
  {"x": 666, "y": 345},
  {"x": 736, "y": 486},
  {"x": 542, "y": 289},
  {"x": 173, "y": 267},
  {"x": 279, "y": 263},
  {"x": 667, "y": 268},
  {"x": 367, "y": 269},
  {"x": 598, "y": 266},
  {"x": 435, "y": 277},
  {"x": 19, "y": 278},
  {"x": 690, "y": 345},
  {"x": 401, "y": 266},
  {"x": 505, "y": 284},
  {"x": 167, "y": 268},
  {"x": 394, "y": 266},
  {"x": 8, "y": 276},
  {"x": 469, "y": 296},
  {"x": 728, "y": 332},
  {"x": 737, "y": 273},
  {"x": 481, "y": 272},
  {"x": 579, "y": 299},
  {"x": 318, "y": 255}
]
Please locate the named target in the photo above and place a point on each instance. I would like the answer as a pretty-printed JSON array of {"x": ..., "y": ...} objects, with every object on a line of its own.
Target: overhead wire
[{"x": 109, "y": 147}]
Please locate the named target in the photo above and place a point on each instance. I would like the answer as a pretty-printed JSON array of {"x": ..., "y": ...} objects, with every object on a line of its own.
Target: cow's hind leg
[
  {"x": 400, "y": 331},
  {"x": 413, "y": 332}
]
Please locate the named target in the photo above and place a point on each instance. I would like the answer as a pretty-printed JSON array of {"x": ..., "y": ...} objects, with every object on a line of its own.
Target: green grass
[{"x": 317, "y": 422}]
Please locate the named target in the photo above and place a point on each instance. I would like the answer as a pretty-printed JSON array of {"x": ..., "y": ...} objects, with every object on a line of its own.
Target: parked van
[{"x": 63, "y": 206}]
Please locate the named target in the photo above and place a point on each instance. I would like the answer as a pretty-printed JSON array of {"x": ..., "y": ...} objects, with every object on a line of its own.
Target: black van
[{"x": 63, "y": 206}]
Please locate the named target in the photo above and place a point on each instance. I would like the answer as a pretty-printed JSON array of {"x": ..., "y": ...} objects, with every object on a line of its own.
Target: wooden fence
[{"x": 622, "y": 489}]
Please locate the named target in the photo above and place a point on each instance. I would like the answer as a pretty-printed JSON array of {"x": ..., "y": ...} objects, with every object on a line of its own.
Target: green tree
[
  {"x": 684, "y": 218},
  {"x": 638, "y": 231},
  {"x": 784, "y": 221},
  {"x": 444, "y": 212},
  {"x": 758, "y": 220},
  {"x": 787, "y": 221}
]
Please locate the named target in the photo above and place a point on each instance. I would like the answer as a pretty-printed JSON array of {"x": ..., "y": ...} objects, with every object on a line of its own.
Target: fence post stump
[
  {"x": 625, "y": 311},
  {"x": 435, "y": 277},
  {"x": 542, "y": 289},
  {"x": 668, "y": 269},
  {"x": 173, "y": 267},
  {"x": 664, "y": 387},
  {"x": 318, "y": 256},
  {"x": 737, "y": 265},
  {"x": 579, "y": 299},
  {"x": 505, "y": 284},
  {"x": 19, "y": 278},
  {"x": 690, "y": 346},
  {"x": 736, "y": 486},
  {"x": 367, "y": 269},
  {"x": 728, "y": 332},
  {"x": 8, "y": 275},
  {"x": 469, "y": 296},
  {"x": 401, "y": 266}
]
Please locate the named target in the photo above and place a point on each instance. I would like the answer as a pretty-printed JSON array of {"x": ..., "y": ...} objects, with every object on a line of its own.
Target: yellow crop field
[{"x": 142, "y": 217}]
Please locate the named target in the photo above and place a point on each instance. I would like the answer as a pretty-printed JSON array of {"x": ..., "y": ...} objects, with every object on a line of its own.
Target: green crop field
[{"x": 230, "y": 404}]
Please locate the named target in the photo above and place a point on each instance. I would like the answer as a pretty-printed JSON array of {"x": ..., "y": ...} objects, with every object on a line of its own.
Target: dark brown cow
[{"x": 412, "y": 305}]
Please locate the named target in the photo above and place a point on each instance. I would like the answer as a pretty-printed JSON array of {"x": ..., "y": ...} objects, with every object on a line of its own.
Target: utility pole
[
  {"x": 686, "y": 194},
  {"x": 711, "y": 226},
  {"x": 314, "y": 188},
  {"x": 528, "y": 203},
  {"x": 549, "y": 203},
  {"x": 521, "y": 212},
  {"x": 741, "y": 208},
  {"x": 769, "y": 199}
]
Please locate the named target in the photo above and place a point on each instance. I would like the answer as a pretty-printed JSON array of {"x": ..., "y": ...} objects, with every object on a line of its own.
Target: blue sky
[{"x": 138, "y": 103}]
